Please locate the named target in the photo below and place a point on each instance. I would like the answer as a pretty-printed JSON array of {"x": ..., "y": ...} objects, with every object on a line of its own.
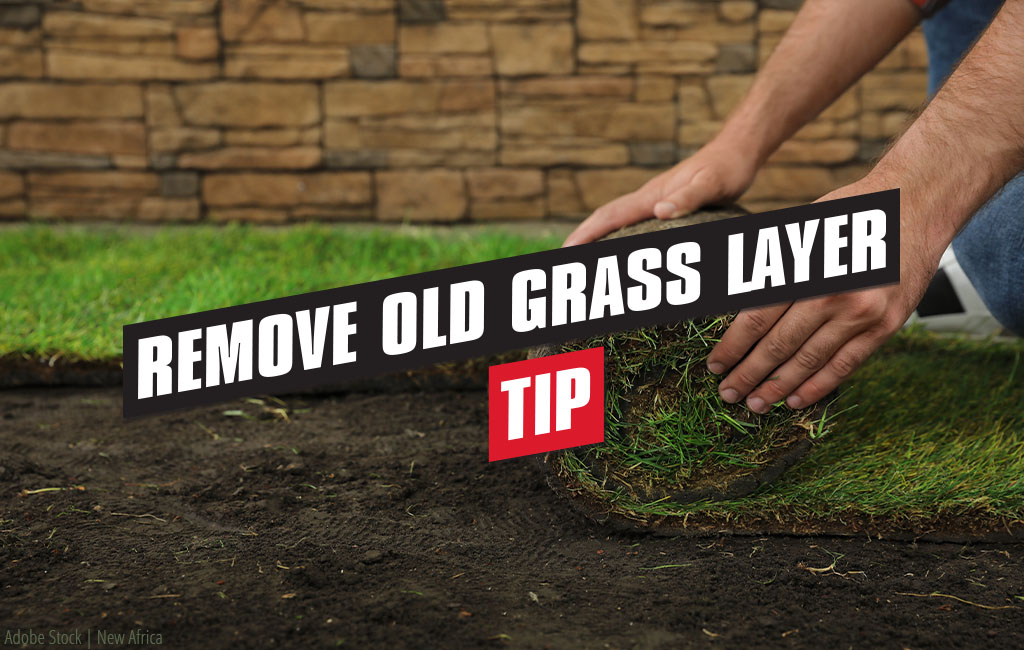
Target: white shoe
[{"x": 952, "y": 304}]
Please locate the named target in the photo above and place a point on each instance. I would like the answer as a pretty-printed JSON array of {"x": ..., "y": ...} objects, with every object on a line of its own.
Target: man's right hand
[{"x": 717, "y": 173}]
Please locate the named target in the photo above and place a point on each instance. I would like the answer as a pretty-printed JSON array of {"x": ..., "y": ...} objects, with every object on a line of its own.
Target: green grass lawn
[
  {"x": 70, "y": 291},
  {"x": 929, "y": 427}
]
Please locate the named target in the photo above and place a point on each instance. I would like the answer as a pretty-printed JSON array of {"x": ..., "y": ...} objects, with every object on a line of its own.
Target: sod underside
[{"x": 927, "y": 441}]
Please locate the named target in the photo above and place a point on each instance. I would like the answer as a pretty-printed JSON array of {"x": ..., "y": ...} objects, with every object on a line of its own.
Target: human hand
[
  {"x": 717, "y": 173},
  {"x": 801, "y": 351}
]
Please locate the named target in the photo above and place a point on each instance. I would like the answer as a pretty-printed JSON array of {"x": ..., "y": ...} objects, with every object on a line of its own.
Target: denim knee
[{"x": 990, "y": 249}]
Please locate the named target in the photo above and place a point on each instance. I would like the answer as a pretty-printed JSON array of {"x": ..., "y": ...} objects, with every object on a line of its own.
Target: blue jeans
[{"x": 990, "y": 248}]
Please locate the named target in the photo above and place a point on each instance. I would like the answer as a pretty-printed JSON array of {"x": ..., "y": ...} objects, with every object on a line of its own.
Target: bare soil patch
[{"x": 371, "y": 520}]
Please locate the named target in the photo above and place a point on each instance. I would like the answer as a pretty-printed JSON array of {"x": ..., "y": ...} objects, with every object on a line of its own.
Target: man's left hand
[{"x": 801, "y": 351}]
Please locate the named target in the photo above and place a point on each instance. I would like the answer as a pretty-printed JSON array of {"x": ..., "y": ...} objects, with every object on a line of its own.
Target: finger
[
  {"x": 689, "y": 196},
  {"x": 809, "y": 359},
  {"x": 746, "y": 330},
  {"x": 775, "y": 348},
  {"x": 837, "y": 370},
  {"x": 625, "y": 210}
]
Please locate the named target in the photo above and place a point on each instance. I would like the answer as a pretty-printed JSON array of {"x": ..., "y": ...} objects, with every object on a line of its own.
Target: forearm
[
  {"x": 829, "y": 46},
  {"x": 969, "y": 141}
]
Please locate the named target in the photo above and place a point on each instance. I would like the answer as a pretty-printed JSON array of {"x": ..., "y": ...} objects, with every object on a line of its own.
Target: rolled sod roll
[{"x": 669, "y": 438}]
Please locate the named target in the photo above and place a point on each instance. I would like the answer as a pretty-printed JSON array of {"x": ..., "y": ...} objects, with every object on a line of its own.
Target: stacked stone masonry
[{"x": 392, "y": 110}]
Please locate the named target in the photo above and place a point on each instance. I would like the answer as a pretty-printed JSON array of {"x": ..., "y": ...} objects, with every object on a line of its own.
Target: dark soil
[{"x": 375, "y": 520}]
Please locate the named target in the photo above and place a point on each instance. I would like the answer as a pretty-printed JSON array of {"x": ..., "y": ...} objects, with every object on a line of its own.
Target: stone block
[
  {"x": 444, "y": 38},
  {"x": 737, "y": 11},
  {"x": 824, "y": 152},
  {"x": 175, "y": 139},
  {"x": 331, "y": 213},
  {"x": 198, "y": 43},
  {"x": 372, "y": 61},
  {"x": 261, "y": 21},
  {"x": 237, "y": 15},
  {"x": 713, "y": 33},
  {"x": 19, "y": 62},
  {"x": 660, "y": 54},
  {"x": 156, "y": 48},
  {"x": 13, "y": 209},
  {"x": 92, "y": 25},
  {"x": 576, "y": 86},
  {"x": 599, "y": 186},
  {"x": 510, "y": 210},
  {"x": 597, "y": 119},
  {"x": 249, "y": 215},
  {"x": 20, "y": 16},
  {"x": 161, "y": 107},
  {"x": 19, "y": 37},
  {"x": 875, "y": 125},
  {"x": 498, "y": 184},
  {"x": 894, "y": 90},
  {"x": 92, "y": 184},
  {"x": 380, "y": 98},
  {"x": 103, "y": 137},
  {"x": 252, "y": 158},
  {"x": 51, "y": 160},
  {"x": 448, "y": 158},
  {"x": 736, "y": 57},
  {"x": 774, "y": 20},
  {"x": 179, "y": 184},
  {"x": 541, "y": 154},
  {"x": 871, "y": 150},
  {"x": 63, "y": 64},
  {"x": 678, "y": 14},
  {"x": 245, "y": 104},
  {"x": 451, "y": 65},
  {"x": 421, "y": 11},
  {"x": 344, "y": 28},
  {"x": 563, "y": 195},
  {"x": 163, "y": 160},
  {"x": 652, "y": 154},
  {"x": 655, "y": 89},
  {"x": 130, "y": 161},
  {"x": 154, "y": 8},
  {"x": 520, "y": 11},
  {"x": 533, "y": 48},
  {"x": 694, "y": 102},
  {"x": 421, "y": 195},
  {"x": 790, "y": 182},
  {"x": 272, "y": 137},
  {"x": 158, "y": 209},
  {"x": 11, "y": 184},
  {"x": 726, "y": 91},
  {"x": 38, "y": 100},
  {"x": 356, "y": 159},
  {"x": 74, "y": 208},
  {"x": 697, "y": 133},
  {"x": 607, "y": 19},
  {"x": 847, "y": 106},
  {"x": 287, "y": 189},
  {"x": 465, "y": 133},
  {"x": 917, "y": 51},
  {"x": 286, "y": 61}
]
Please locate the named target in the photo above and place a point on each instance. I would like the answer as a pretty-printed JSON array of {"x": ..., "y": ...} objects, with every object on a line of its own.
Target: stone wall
[{"x": 424, "y": 110}]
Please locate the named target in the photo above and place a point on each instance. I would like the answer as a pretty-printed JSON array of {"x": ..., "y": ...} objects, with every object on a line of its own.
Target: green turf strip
[
  {"x": 933, "y": 431},
  {"x": 70, "y": 291},
  {"x": 938, "y": 427}
]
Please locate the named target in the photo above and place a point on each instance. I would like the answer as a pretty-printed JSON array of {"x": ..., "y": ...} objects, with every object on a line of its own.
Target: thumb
[
  {"x": 623, "y": 211},
  {"x": 699, "y": 191}
]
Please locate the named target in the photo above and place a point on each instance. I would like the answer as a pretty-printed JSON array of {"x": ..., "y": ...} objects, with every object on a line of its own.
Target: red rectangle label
[{"x": 546, "y": 404}]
